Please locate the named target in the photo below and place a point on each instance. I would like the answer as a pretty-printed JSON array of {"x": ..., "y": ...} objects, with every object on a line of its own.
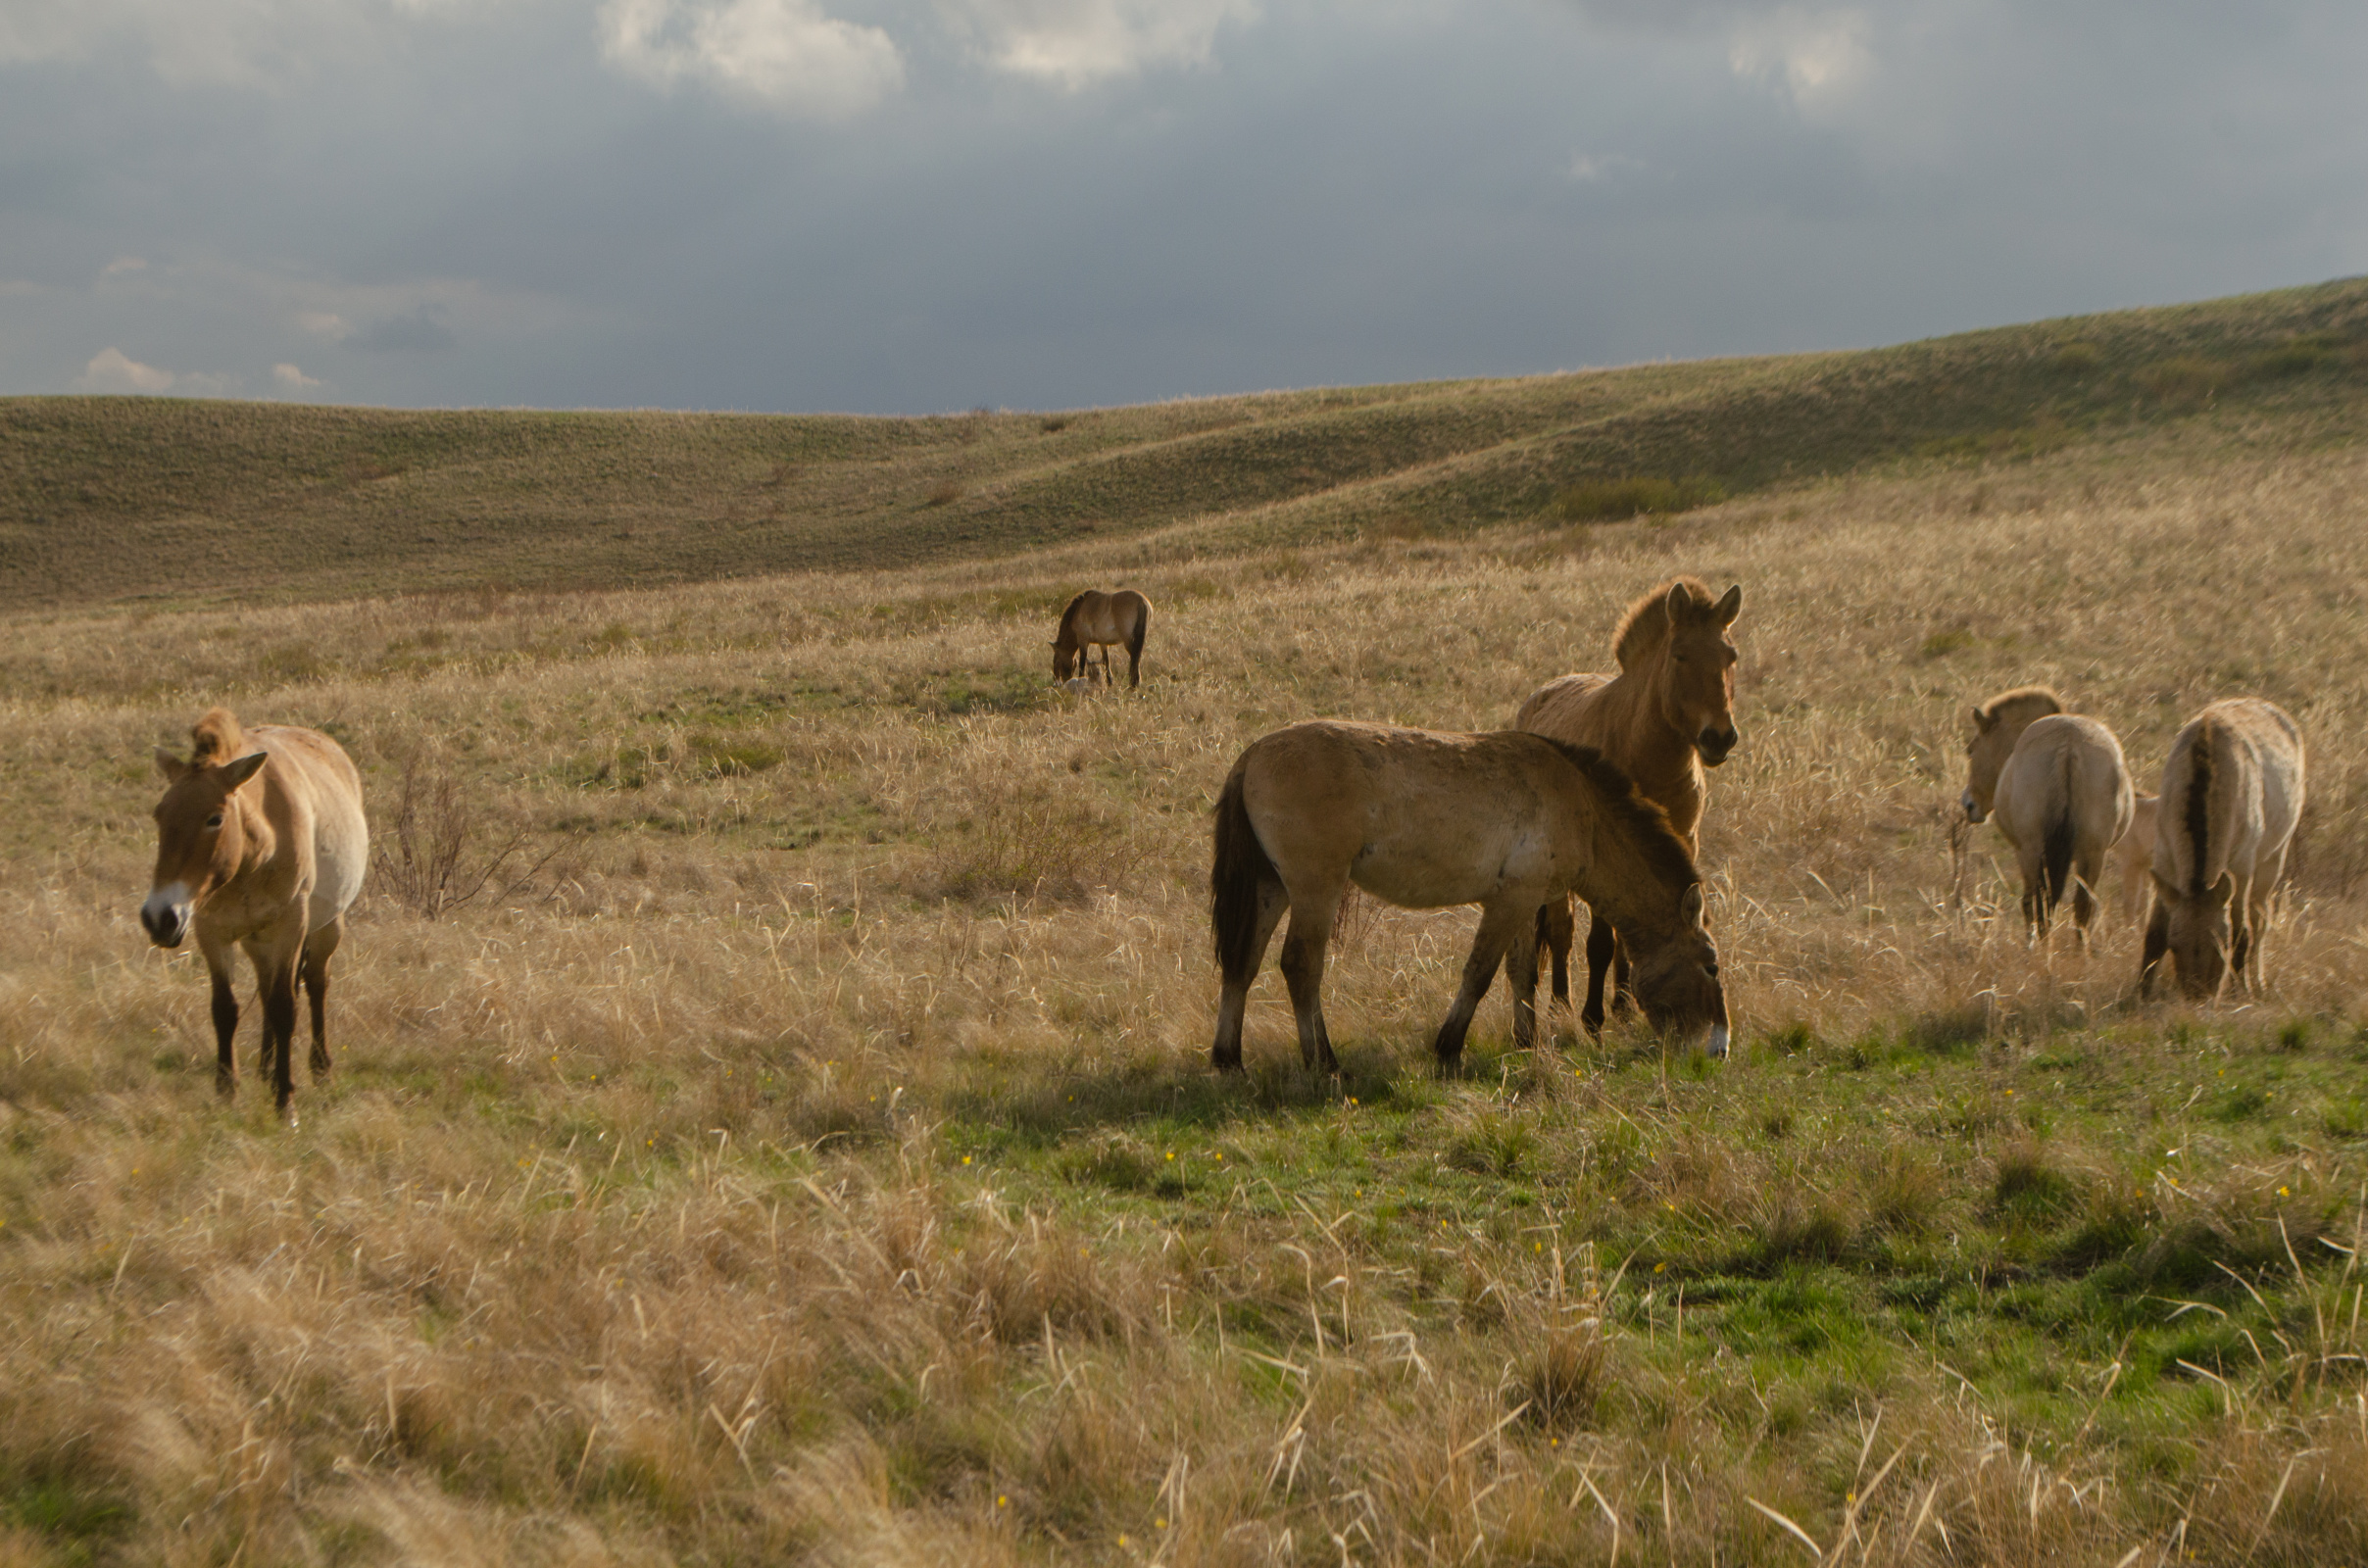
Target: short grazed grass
[{"x": 818, "y": 1160}]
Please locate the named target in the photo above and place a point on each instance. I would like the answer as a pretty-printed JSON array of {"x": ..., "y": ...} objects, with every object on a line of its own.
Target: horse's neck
[
  {"x": 1649, "y": 751},
  {"x": 1620, "y": 881}
]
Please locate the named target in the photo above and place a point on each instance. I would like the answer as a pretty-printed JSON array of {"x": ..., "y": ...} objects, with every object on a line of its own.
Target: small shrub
[
  {"x": 2185, "y": 381},
  {"x": 2027, "y": 1184},
  {"x": 1637, "y": 495},
  {"x": 430, "y": 853},
  {"x": 1492, "y": 1146},
  {"x": 1903, "y": 1191},
  {"x": 944, "y": 493},
  {"x": 1054, "y": 423},
  {"x": 2076, "y": 359}
]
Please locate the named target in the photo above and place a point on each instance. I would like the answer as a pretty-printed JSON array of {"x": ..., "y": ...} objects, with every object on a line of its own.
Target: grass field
[{"x": 802, "y": 1146}]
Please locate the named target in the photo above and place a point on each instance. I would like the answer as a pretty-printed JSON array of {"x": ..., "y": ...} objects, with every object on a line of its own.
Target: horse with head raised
[
  {"x": 1096, "y": 619},
  {"x": 2232, "y": 797},
  {"x": 1425, "y": 820},
  {"x": 262, "y": 846},
  {"x": 1662, "y": 719},
  {"x": 2057, "y": 788}
]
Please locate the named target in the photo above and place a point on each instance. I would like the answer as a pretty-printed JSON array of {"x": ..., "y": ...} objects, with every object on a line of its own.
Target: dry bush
[{"x": 434, "y": 851}]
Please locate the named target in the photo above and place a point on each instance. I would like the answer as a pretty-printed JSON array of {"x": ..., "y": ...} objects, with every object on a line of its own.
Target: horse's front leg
[
  {"x": 275, "y": 976},
  {"x": 1602, "y": 944},
  {"x": 1500, "y": 924},
  {"x": 225, "y": 1019},
  {"x": 2157, "y": 944}
]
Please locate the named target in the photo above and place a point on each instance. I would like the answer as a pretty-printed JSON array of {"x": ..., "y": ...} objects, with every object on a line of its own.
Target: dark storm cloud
[{"x": 932, "y": 204}]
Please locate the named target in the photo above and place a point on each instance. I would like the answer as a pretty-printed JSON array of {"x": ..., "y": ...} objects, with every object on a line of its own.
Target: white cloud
[
  {"x": 1590, "y": 169},
  {"x": 110, "y": 369},
  {"x": 324, "y": 323},
  {"x": 1077, "y": 42},
  {"x": 122, "y": 265},
  {"x": 292, "y": 380},
  {"x": 1817, "y": 54},
  {"x": 787, "y": 55}
]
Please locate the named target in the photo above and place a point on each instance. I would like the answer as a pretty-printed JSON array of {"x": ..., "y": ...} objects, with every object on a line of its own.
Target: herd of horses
[{"x": 1596, "y": 793}]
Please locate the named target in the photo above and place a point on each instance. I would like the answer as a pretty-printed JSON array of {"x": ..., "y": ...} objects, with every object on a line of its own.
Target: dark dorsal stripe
[
  {"x": 2200, "y": 802},
  {"x": 1647, "y": 823}
]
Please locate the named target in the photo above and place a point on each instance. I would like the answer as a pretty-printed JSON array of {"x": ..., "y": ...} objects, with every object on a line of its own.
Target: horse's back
[
  {"x": 1564, "y": 709},
  {"x": 2066, "y": 764},
  {"x": 2246, "y": 755},
  {"x": 310, "y": 764}
]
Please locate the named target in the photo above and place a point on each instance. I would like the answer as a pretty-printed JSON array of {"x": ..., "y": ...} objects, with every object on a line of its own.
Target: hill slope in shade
[{"x": 108, "y": 498}]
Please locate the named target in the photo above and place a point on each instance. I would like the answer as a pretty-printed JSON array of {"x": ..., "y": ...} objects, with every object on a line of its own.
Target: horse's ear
[
  {"x": 233, "y": 774},
  {"x": 1729, "y": 605},
  {"x": 171, "y": 766},
  {"x": 1678, "y": 605},
  {"x": 2223, "y": 890},
  {"x": 1983, "y": 720},
  {"x": 1690, "y": 905}
]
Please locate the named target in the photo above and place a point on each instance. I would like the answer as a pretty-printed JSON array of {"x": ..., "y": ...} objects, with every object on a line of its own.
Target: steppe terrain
[{"x": 772, "y": 1117}]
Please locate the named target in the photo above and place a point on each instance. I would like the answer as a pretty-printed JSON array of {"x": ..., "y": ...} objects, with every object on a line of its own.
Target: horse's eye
[
  {"x": 215, "y": 820},
  {"x": 1710, "y": 970}
]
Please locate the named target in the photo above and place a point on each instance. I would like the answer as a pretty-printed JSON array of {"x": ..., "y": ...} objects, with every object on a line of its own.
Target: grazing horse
[
  {"x": 2055, "y": 785},
  {"x": 1093, "y": 619},
  {"x": 2232, "y": 795},
  {"x": 1665, "y": 717},
  {"x": 1425, "y": 820},
  {"x": 2135, "y": 854},
  {"x": 261, "y": 844}
]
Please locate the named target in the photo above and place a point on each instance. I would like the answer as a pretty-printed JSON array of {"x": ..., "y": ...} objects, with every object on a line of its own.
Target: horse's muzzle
[
  {"x": 1973, "y": 808},
  {"x": 1713, "y": 744},
  {"x": 165, "y": 921}
]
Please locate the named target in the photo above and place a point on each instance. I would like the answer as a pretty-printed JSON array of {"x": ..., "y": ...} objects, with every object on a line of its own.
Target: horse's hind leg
[
  {"x": 1556, "y": 930},
  {"x": 1521, "y": 970},
  {"x": 1602, "y": 945},
  {"x": 317, "y": 950},
  {"x": 1233, "y": 1000},
  {"x": 1304, "y": 947},
  {"x": 2157, "y": 944}
]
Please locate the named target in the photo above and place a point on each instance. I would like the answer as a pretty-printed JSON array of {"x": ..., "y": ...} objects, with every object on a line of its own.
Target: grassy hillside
[
  {"x": 801, "y": 1148},
  {"x": 104, "y": 499}
]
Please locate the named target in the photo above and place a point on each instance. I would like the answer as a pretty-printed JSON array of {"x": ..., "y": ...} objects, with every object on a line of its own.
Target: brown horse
[
  {"x": 1425, "y": 820},
  {"x": 2232, "y": 797},
  {"x": 261, "y": 844},
  {"x": 1093, "y": 619},
  {"x": 1665, "y": 717}
]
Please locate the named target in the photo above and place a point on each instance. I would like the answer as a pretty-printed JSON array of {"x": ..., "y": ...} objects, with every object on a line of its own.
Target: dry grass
[{"x": 827, "y": 1168}]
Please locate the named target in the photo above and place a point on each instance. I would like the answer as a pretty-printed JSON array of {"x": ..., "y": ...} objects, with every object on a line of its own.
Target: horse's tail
[
  {"x": 2055, "y": 841},
  {"x": 1238, "y": 872},
  {"x": 1134, "y": 638}
]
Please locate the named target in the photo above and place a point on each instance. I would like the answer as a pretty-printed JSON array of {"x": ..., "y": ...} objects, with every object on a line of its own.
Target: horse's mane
[
  {"x": 216, "y": 738},
  {"x": 2044, "y": 695},
  {"x": 1646, "y": 625},
  {"x": 1070, "y": 614},
  {"x": 2199, "y": 803},
  {"x": 1647, "y": 823}
]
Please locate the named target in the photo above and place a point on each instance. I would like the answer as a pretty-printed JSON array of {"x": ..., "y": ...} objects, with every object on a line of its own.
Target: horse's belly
[
  {"x": 340, "y": 860},
  {"x": 1440, "y": 876}
]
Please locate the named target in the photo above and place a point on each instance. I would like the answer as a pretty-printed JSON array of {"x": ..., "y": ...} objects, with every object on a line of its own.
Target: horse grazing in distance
[
  {"x": 1425, "y": 820},
  {"x": 1665, "y": 717},
  {"x": 2232, "y": 795},
  {"x": 2136, "y": 855},
  {"x": 1096, "y": 619},
  {"x": 2058, "y": 790},
  {"x": 261, "y": 844}
]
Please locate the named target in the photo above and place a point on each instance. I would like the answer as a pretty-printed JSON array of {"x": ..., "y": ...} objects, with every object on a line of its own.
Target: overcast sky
[{"x": 930, "y": 204}]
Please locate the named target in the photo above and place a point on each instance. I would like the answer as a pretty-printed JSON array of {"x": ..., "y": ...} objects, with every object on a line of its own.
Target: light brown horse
[
  {"x": 1665, "y": 717},
  {"x": 1096, "y": 619},
  {"x": 2057, "y": 788},
  {"x": 2232, "y": 797},
  {"x": 1425, "y": 820},
  {"x": 261, "y": 844}
]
